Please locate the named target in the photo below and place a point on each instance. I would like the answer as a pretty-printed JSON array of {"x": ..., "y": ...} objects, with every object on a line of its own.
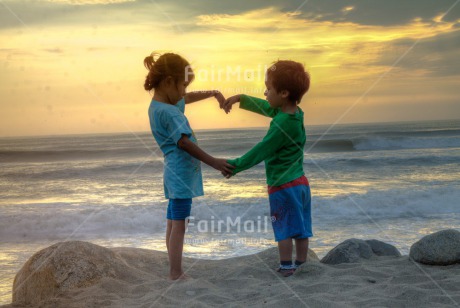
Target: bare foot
[{"x": 286, "y": 272}]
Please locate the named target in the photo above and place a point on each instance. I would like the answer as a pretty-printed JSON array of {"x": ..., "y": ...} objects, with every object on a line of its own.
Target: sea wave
[
  {"x": 60, "y": 155},
  {"x": 372, "y": 161},
  {"x": 378, "y": 143},
  {"x": 393, "y": 143},
  {"x": 61, "y": 220},
  {"x": 222, "y": 145}
]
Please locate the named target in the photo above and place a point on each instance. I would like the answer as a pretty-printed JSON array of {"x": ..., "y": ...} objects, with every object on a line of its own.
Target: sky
[{"x": 76, "y": 66}]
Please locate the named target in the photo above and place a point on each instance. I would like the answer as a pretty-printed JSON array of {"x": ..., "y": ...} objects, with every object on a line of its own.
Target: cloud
[
  {"x": 380, "y": 13},
  {"x": 89, "y": 2},
  {"x": 360, "y": 12},
  {"x": 54, "y": 50},
  {"x": 314, "y": 32},
  {"x": 430, "y": 57},
  {"x": 44, "y": 13}
]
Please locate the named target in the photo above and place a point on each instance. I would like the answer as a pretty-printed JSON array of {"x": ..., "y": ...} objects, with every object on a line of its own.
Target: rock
[
  {"x": 440, "y": 248},
  {"x": 355, "y": 250},
  {"x": 61, "y": 267},
  {"x": 349, "y": 251},
  {"x": 383, "y": 249}
]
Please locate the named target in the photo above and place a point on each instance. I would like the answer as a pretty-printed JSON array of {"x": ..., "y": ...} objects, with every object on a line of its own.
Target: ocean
[{"x": 394, "y": 182}]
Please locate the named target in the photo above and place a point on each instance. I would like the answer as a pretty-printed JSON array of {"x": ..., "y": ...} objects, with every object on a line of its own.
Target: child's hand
[
  {"x": 220, "y": 98},
  {"x": 226, "y": 175},
  {"x": 230, "y": 101},
  {"x": 223, "y": 166}
]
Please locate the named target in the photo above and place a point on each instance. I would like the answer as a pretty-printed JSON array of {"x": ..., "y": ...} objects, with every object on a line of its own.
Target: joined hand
[{"x": 227, "y": 106}]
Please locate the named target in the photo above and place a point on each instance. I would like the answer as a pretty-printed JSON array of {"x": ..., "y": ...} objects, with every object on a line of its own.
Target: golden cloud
[{"x": 89, "y": 2}]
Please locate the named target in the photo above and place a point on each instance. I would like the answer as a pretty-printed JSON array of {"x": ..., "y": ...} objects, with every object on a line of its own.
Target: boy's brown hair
[{"x": 290, "y": 76}]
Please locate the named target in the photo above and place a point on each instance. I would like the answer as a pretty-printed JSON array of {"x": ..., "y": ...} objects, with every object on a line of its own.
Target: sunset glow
[{"x": 76, "y": 66}]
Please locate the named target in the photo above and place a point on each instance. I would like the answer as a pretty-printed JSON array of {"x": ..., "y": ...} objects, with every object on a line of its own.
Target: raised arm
[
  {"x": 196, "y": 96},
  {"x": 250, "y": 103}
]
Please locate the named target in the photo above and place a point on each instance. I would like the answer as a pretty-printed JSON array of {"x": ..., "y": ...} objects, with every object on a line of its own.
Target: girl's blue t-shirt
[{"x": 182, "y": 172}]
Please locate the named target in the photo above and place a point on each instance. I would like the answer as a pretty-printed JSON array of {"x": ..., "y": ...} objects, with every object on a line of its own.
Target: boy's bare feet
[{"x": 286, "y": 272}]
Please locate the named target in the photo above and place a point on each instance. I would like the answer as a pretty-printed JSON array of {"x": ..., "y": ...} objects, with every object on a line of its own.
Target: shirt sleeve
[
  {"x": 257, "y": 105},
  {"x": 272, "y": 142},
  {"x": 181, "y": 105},
  {"x": 177, "y": 126}
]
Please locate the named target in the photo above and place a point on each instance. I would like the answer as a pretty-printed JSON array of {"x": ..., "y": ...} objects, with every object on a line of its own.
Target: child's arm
[
  {"x": 271, "y": 143},
  {"x": 250, "y": 103},
  {"x": 196, "y": 96},
  {"x": 220, "y": 164}
]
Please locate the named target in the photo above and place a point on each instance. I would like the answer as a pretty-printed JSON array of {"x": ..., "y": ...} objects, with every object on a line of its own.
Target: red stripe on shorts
[{"x": 299, "y": 181}]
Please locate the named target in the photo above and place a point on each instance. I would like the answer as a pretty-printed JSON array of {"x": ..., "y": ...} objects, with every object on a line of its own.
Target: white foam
[
  {"x": 394, "y": 203},
  {"x": 59, "y": 221}
]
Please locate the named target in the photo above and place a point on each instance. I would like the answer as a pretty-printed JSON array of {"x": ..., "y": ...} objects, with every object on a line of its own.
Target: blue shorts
[
  {"x": 290, "y": 210},
  {"x": 179, "y": 209}
]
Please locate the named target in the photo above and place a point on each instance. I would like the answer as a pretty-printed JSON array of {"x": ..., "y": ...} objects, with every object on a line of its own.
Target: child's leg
[
  {"x": 176, "y": 246},
  {"x": 301, "y": 249},
  {"x": 177, "y": 214},
  {"x": 168, "y": 233},
  {"x": 285, "y": 249}
]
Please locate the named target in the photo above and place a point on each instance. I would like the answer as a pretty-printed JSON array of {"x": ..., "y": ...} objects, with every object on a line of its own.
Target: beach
[{"x": 131, "y": 277}]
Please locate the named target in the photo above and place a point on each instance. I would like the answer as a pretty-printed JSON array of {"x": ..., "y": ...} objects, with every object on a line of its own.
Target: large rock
[
  {"x": 61, "y": 267},
  {"x": 355, "y": 250},
  {"x": 383, "y": 249},
  {"x": 440, "y": 248}
]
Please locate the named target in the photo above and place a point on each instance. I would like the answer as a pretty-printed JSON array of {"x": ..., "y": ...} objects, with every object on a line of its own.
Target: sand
[{"x": 251, "y": 281}]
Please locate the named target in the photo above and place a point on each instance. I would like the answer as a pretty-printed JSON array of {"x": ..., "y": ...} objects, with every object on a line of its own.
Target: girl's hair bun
[
  {"x": 162, "y": 66},
  {"x": 150, "y": 60}
]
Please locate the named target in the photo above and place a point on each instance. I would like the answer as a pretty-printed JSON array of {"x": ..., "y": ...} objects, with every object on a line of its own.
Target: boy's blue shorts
[
  {"x": 179, "y": 209},
  {"x": 290, "y": 210}
]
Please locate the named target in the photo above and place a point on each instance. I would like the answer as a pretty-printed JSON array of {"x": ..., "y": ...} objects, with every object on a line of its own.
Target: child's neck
[
  {"x": 159, "y": 96},
  {"x": 289, "y": 107}
]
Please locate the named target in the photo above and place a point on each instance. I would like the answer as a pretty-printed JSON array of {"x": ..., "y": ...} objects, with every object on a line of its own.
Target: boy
[{"x": 282, "y": 151}]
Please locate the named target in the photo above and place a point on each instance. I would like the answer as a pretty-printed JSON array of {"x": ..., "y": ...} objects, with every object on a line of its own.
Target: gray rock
[
  {"x": 440, "y": 248},
  {"x": 355, "y": 250},
  {"x": 383, "y": 249},
  {"x": 349, "y": 251},
  {"x": 61, "y": 267}
]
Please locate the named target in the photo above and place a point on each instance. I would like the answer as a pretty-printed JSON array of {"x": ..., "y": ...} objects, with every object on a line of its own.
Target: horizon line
[{"x": 220, "y": 129}]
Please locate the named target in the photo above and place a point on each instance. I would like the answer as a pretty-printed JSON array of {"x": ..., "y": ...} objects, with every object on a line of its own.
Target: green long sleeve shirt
[{"x": 282, "y": 147}]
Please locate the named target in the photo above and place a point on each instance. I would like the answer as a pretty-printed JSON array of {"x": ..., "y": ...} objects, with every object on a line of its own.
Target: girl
[{"x": 169, "y": 76}]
